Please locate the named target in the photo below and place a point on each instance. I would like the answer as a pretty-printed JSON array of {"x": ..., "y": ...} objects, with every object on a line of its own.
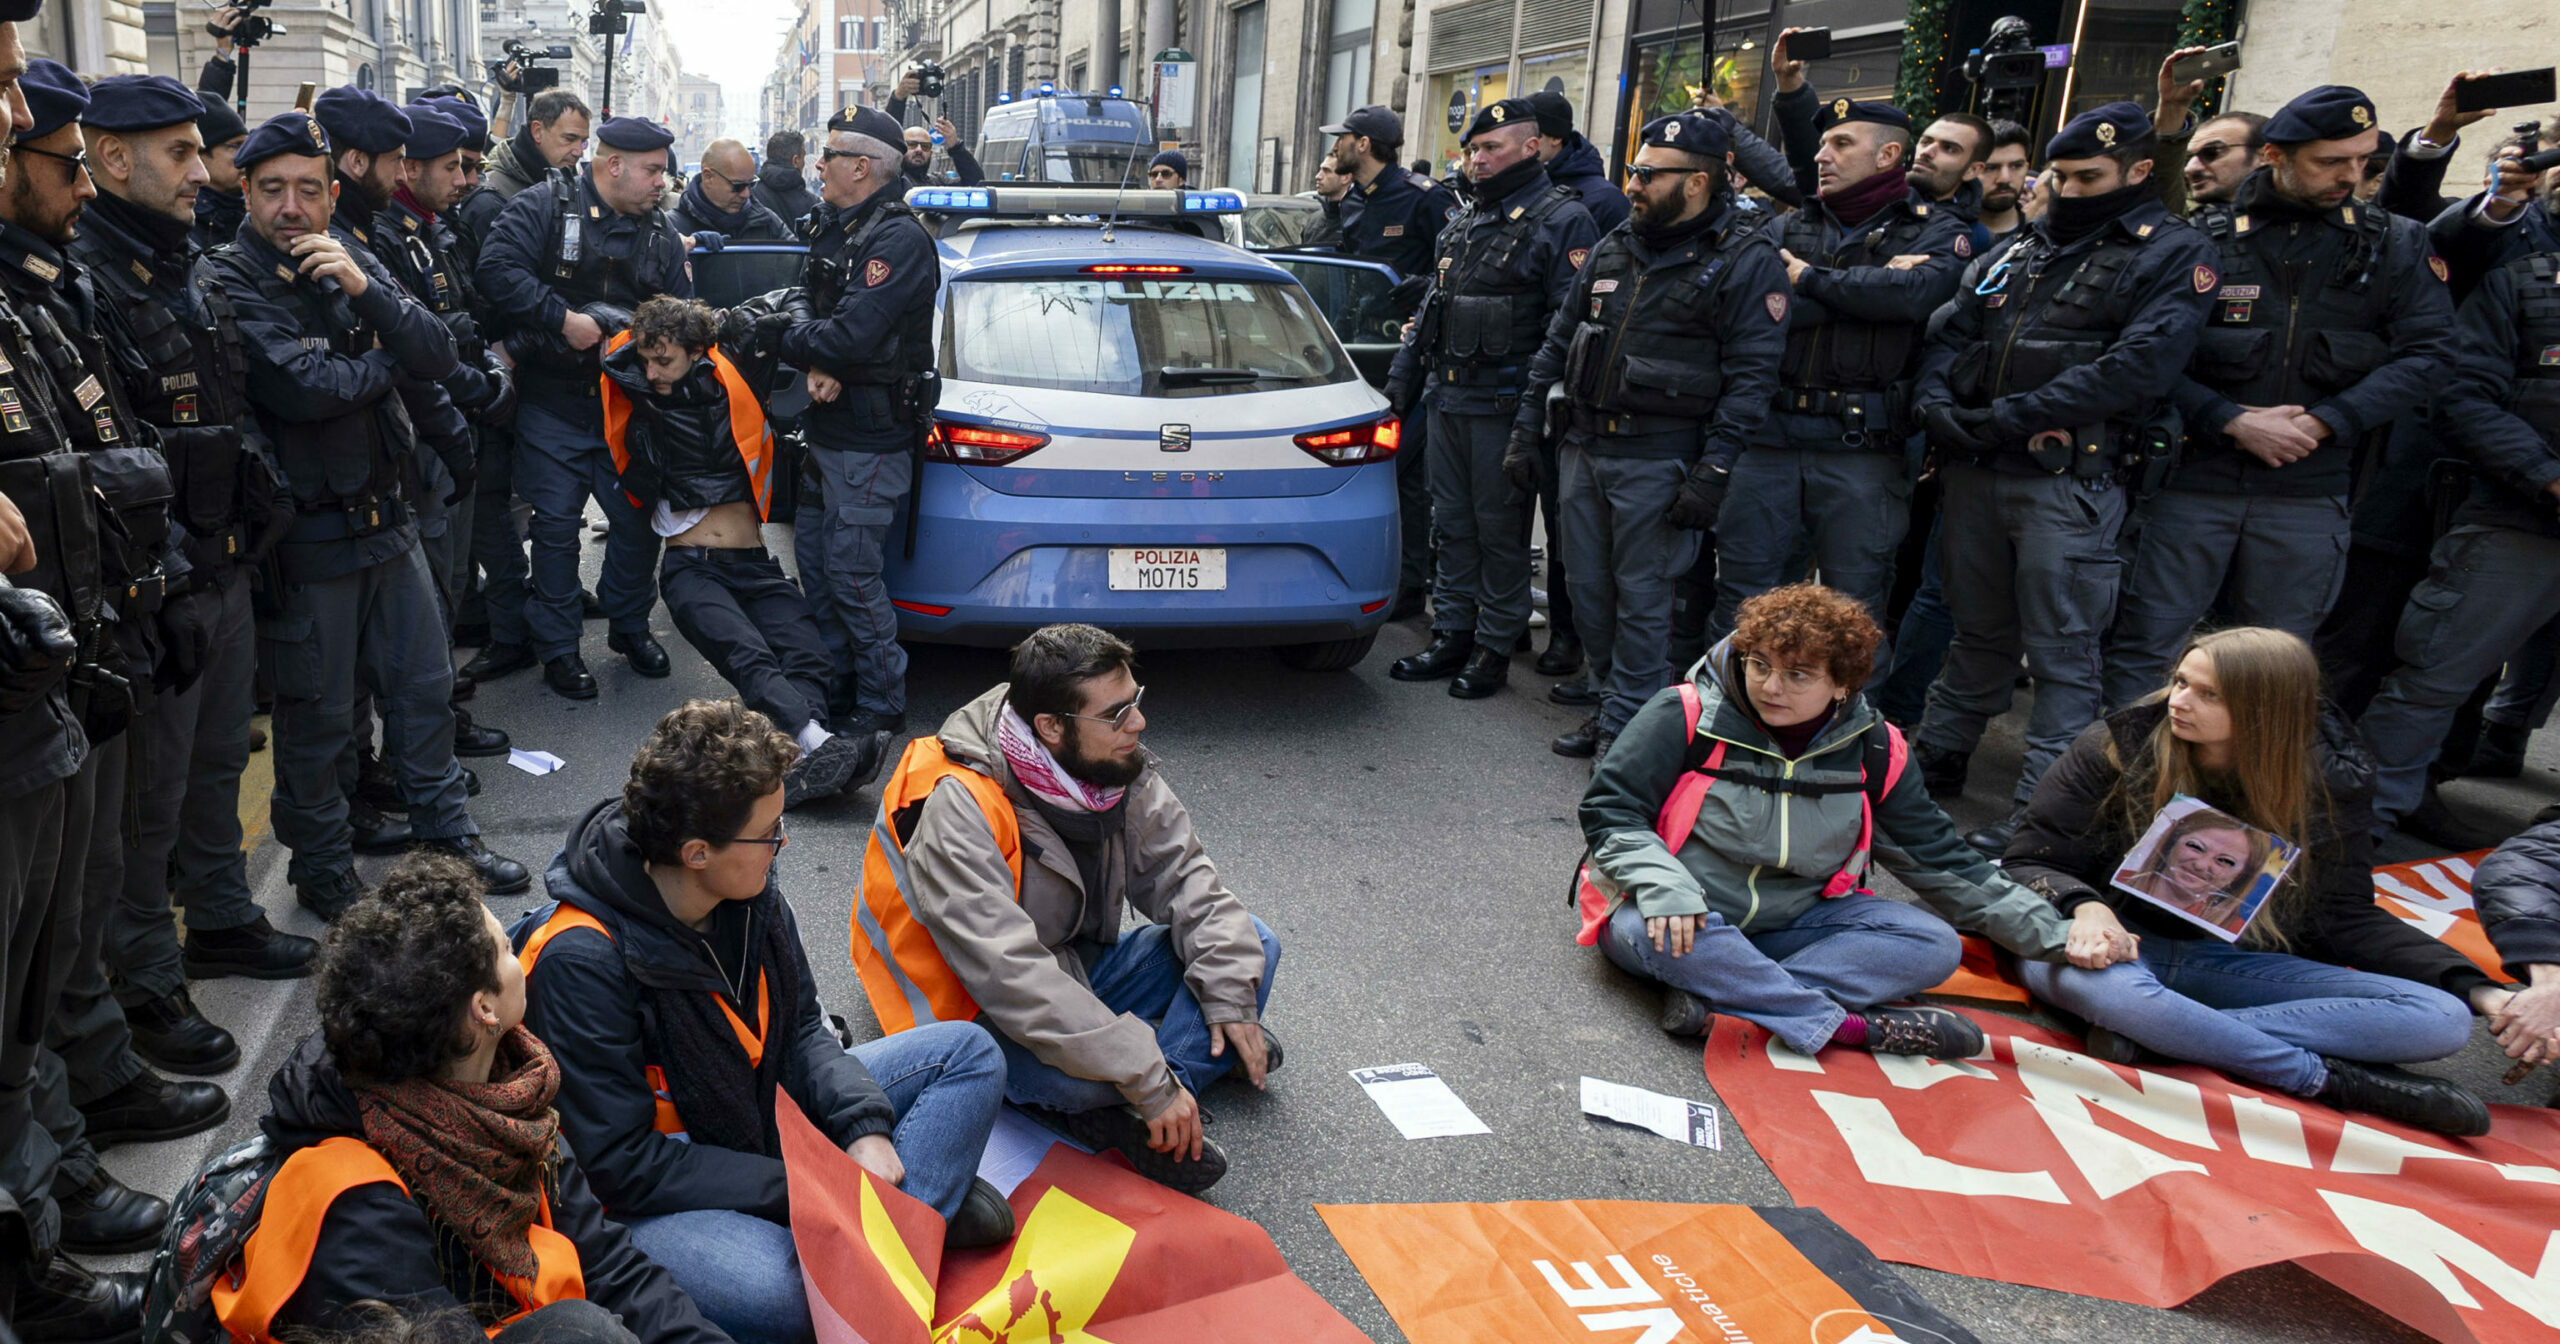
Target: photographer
[
  {"x": 920, "y": 147},
  {"x": 554, "y": 136},
  {"x": 2518, "y": 214}
]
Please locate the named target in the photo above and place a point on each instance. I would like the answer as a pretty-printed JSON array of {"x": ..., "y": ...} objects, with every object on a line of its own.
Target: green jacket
[{"x": 1758, "y": 859}]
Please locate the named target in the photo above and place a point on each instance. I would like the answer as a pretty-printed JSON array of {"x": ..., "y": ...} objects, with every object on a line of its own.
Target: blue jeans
[
  {"x": 560, "y": 462},
  {"x": 1800, "y": 981},
  {"x": 1141, "y": 975},
  {"x": 2262, "y": 1016},
  {"x": 945, "y": 1080}
]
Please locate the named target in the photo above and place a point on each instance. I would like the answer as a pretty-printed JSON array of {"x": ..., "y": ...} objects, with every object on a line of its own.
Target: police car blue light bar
[
  {"x": 1039, "y": 200},
  {"x": 1212, "y": 203}
]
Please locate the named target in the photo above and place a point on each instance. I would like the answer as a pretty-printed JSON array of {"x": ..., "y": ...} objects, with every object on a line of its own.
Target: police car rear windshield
[{"x": 1158, "y": 336}]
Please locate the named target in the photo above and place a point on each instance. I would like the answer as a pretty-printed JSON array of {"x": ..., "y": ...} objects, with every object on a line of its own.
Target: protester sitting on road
[
  {"x": 2322, "y": 983},
  {"x": 2518, "y": 892},
  {"x": 670, "y": 981},
  {"x": 690, "y": 443},
  {"x": 993, "y": 887},
  {"x": 426, "y": 1165},
  {"x": 1732, "y": 827}
]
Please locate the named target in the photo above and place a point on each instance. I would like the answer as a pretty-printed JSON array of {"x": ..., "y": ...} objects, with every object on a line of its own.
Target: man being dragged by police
[
  {"x": 690, "y": 442},
  {"x": 2044, "y": 388},
  {"x": 1503, "y": 269},
  {"x": 330, "y": 341},
  {"x": 2332, "y": 321},
  {"x": 1667, "y": 353},
  {"x": 565, "y": 264}
]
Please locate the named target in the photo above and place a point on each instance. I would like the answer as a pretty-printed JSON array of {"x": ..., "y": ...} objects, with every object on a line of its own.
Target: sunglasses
[
  {"x": 1118, "y": 717},
  {"x": 1645, "y": 173},
  {"x": 2206, "y": 154}
]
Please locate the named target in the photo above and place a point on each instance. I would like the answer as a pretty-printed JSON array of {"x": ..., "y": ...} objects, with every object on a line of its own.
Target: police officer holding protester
[
  {"x": 865, "y": 342},
  {"x": 1504, "y": 267},
  {"x": 1667, "y": 349},
  {"x": 566, "y": 264},
  {"x": 2044, "y": 389}
]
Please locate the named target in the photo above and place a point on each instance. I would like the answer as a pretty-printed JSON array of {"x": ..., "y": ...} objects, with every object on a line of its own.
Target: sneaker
[
  {"x": 1684, "y": 1013},
  {"x": 1120, "y": 1129},
  {"x": 841, "y": 764},
  {"x": 2397, "y": 1094},
  {"x": 984, "y": 1219},
  {"x": 1936, "y": 1033}
]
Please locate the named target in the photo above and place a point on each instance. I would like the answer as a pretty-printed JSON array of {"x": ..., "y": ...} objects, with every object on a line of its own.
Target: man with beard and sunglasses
[{"x": 1006, "y": 847}]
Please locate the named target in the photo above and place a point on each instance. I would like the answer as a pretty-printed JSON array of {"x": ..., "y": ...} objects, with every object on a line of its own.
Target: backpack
[
  {"x": 209, "y": 1223},
  {"x": 1702, "y": 764}
]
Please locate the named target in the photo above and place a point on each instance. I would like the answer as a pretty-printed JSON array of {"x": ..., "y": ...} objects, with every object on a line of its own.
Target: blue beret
[
  {"x": 220, "y": 123},
  {"x": 1173, "y": 159},
  {"x": 2330, "y": 112},
  {"x": 1508, "y": 112},
  {"x": 2099, "y": 131},
  {"x": 432, "y": 133},
  {"x": 1695, "y": 132},
  {"x": 362, "y": 120},
  {"x": 283, "y": 133},
  {"x": 54, "y": 95},
  {"x": 474, "y": 123},
  {"x": 1858, "y": 109},
  {"x": 19, "y": 11},
  {"x": 870, "y": 121},
  {"x": 140, "y": 103},
  {"x": 1378, "y": 123},
  {"x": 635, "y": 134}
]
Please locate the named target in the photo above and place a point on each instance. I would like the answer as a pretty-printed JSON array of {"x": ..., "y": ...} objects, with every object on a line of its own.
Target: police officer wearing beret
[
  {"x": 2330, "y": 323},
  {"x": 2044, "y": 387},
  {"x": 331, "y": 339},
  {"x": 177, "y": 344},
  {"x": 1503, "y": 268},
  {"x": 565, "y": 266},
  {"x": 867, "y": 349},
  {"x": 1827, "y": 472},
  {"x": 1667, "y": 353}
]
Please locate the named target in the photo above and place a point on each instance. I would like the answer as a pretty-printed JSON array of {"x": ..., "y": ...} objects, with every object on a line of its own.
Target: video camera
[
  {"x": 532, "y": 77},
  {"x": 613, "y": 17},
  {"x": 929, "y": 79},
  {"x": 2007, "y": 70},
  {"x": 2530, "y": 155},
  {"x": 250, "y": 27}
]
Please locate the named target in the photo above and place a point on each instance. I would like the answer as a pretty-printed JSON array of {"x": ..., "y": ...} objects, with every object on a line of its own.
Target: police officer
[
  {"x": 177, "y": 346},
  {"x": 867, "y": 348},
  {"x": 566, "y": 265},
  {"x": 1668, "y": 351},
  {"x": 1828, "y": 473},
  {"x": 328, "y": 338},
  {"x": 2043, "y": 386},
  {"x": 218, "y": 208},
  {"x": 1575, "y": 162},
  {"x": 1502, "y": 270},
  {"x": 2331, "y": 322}
]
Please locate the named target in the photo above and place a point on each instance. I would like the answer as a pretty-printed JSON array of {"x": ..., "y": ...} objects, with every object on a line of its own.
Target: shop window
[{"x": 1670, "y": 75}]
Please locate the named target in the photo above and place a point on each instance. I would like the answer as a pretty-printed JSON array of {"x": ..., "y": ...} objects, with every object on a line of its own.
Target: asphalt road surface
[{"x": 1412, "y": 851}]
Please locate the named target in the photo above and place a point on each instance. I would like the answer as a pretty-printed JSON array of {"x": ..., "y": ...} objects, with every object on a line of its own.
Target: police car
[{"x": 1144, "y": 429}]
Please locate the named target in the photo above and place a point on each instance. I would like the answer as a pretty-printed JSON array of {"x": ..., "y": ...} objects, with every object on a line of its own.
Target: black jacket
[
  {"x": 2496, "y": 358},
  {"x": 588, "y": 998},
  {"x": 751, "y": 222},
  {"x": 1578, "y": 166},
  {"x": 2518, "y": 892},
  {"x": 780, "y": 189},
  {"x": 679, "y": 446},
  {"x": 377, "y": 1244},
  {"x": 2073, "y": 840}
]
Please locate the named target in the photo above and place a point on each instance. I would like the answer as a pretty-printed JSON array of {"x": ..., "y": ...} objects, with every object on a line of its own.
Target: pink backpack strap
[
  {"x": 1852, "y": 876},
  {"x": 1678, "y": 817}
]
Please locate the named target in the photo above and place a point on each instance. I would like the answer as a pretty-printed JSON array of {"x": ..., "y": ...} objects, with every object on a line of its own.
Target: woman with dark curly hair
[
  {"x": 1732, "y": 827},
  {"x": 425, "y": 1166}
]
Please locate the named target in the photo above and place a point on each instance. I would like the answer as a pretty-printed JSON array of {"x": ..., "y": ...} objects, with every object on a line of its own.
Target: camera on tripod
[
  {"x": 248, "y": 26},
  {"x": 929, "y": 79},
  {"x": 532, "y": 76},
  {"x": 2007, "y": 70},
  {"x": 613, "y": 17}
]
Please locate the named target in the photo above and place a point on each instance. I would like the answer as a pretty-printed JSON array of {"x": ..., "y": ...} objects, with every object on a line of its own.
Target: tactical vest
[
  {"x": 1496, "y": 310},
  {"x": 1846, "y": 354},
  {"x": 1647, "y": 353},
  {"x": 2290, "y": 334},
  {"x": 411, "y": 248},
  {"x": 2045, "y": 309},
  {"x": 50, "y": 483},
  {"x": 582, "y": 275},
  {"x": 130, "y": 475},
  {"x": 190, "y": 382},
  {"x": 349, "y": 463},
  {"x": 838, "y": 252},
  {"x": 2535, "y": 398}
]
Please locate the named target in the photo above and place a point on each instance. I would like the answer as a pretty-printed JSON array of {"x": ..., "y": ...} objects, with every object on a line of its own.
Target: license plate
[{"x": 1168, "y": 569}]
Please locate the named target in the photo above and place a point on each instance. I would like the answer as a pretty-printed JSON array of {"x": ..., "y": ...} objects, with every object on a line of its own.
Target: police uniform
[
  {"x": 2494, "y": 579},
  {"x": 1668, "y": 352},
  {"x": 552, "y": 251},
  {"x": 1828, "y": 472},
  {"x": 873, "y": 272},
  {"x": 1504, "y": 267},
  {"x": 2042, "y": 386},
  {"x": 2338, "y": 309},
  {"x": 351, "y": 588}
]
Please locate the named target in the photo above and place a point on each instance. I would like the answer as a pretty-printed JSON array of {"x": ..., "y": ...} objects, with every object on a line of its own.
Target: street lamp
[{"x": 611, "y": 19}]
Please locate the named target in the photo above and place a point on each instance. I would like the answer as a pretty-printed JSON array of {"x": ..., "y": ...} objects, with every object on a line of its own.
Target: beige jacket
[{"x": 1014, "y": 957}]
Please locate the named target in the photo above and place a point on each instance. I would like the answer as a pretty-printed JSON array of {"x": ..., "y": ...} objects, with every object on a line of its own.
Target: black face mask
[
  {"x": 1511, "y": 179},
  {"x": 2072, "y": 218}
]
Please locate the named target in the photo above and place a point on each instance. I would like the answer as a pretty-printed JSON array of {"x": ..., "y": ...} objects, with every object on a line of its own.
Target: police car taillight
[
  {"x": 1355, "y": 445},
  {"x": 979, "y": 445},
  {"x": 1116, "y": 268}
]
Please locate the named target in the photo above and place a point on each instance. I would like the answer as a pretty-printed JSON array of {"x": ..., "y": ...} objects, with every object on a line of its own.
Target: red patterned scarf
[{"x": 475, "y": 1151}]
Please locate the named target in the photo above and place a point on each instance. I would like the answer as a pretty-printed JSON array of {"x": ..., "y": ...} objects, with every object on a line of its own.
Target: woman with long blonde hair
[{"x": 2324, "y": 991}]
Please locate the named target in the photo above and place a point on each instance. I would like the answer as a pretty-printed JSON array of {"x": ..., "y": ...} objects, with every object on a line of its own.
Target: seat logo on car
[{"x": 1174, "y": 438}]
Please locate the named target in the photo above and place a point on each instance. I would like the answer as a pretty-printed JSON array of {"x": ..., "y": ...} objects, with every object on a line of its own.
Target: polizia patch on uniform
[
  {"x": 2206, "y": 278},
  {"x": 105, "y": 419},
  {"x": 13, "y": 416},
  {"x": 88, "y": 392},
  {"x": 1577, "y": 256},
  {"x": 1964, "y": 244},
  {"x": 1776, "y": 304},
  {"x": 2551, "y": 356},
  {"x": 874, "y": 271},
  {"x": 183, "y": 410}
]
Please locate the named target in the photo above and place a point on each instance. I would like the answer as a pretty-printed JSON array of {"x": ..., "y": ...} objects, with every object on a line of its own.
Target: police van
[{"x": 1048, "y": 136}]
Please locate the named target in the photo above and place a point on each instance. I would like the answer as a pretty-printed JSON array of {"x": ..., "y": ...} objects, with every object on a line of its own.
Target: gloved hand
[
  {"x": 797, "y": 308},
  {"x": 36, "y": 647},
  {"x": 186, "y": 638},
  {"x": 500, "y": 409},
  {"x": 1400, "y": 396},
  {"x": 466, "y": 478},
  {"x": 1701, "y": 499},
  {"x": 737, "y": 328},
  {"x": 1522, "y": 464},
  {"x": 707, "y": 241},
  {"x": 1964, "y": 430}
]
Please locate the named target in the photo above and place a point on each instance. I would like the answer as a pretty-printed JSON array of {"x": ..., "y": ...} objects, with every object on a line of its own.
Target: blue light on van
[
  {"x": 1115, "y": 91},
  {"x": 1047, "y": 88},
  {"x": 951, "y": 199},
  {"x": 1212, "y": 202},
  {"x": 1004, "y": 97}
]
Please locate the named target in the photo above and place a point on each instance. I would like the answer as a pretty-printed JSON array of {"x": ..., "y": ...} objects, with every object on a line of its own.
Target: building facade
[
  {"x": 835, "y": 54},
  {"x": 700, "y": 116}
]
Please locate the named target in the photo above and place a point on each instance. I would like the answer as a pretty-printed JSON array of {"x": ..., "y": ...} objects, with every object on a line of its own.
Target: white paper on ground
[
  {"x": 1676, "y": 1118},
  {"x": 533, "y": 762},
  {"x": 1416, "y": 1102}
]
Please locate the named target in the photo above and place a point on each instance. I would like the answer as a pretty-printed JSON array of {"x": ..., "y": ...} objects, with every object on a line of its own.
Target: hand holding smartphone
[{"x": 2518, "y": 88}]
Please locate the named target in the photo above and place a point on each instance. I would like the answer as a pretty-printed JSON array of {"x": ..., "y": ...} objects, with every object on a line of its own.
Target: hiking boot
[
  {"x": 984, "y": 1219},
  {"x": 475, "y": 739},
  {"x": 151, "y": 1109},
  {"x": 169, "y": 1033},
  {"x": 1684, "y": 1013},
  {"x": 2411, "y": 1099},
  {"x": 1936, "y": 1033},
  {"x": 108, "y": 1217},
  {"x": 256, "y": 950},
  {"x": 1943, "y": 771},
  {"x": 1993, "y": 840},
  {"x": 1120, "y": 1129},
  {"x": 1442, "y": 657},
  {"x": 63, "y": 1303},
  {"x": 1582, "y": 743}
]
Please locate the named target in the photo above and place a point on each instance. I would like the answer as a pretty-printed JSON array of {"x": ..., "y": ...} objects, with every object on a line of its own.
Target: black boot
[
  {"x": 642, "y": 650},
  {"x": 1941, "y": 770},
  {"x": 63, "y": 1303},
  {"x": 2437, "y": 824},
  {"x": 329, "y": 896},
  {"x": 590, "y": 608},
  {"x": 107, "y": 1217},
  {"x": 1579, "y": 693},
  {"x": 1993, "y": 840},
  {"x": 1684, "y": 1013},
  {"x": 473, "y": 739},
  {"x": 1442, "y": 657},
  {"x": 2499, "y": 754},
  {"x": 1487, "y": 671},
  {"x": 1563, "y": 657},
  {"x": 256, "y": 950},
  {"x": 169, "y": 1033},
  {"x": 984, "y": 1219},
  {"x": 151, "y": 1109},
  {"x": 499, "y": 875},
  {"x": 568, "y": 675},
  {"x": 378, "y": 786},
  {"x": 374, "y": 833},
  {"x": 1581, "y": 743},
  {"x": 1121, "y": 1129},
  {"x": 498, "y": 660},
  {"x": 2411, "y": 1099}
]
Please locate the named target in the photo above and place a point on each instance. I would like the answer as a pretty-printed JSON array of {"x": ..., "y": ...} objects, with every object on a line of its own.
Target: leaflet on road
[
  {"x": 1416, "y": 1102},
  {"x": 1676, "y": 1118}
]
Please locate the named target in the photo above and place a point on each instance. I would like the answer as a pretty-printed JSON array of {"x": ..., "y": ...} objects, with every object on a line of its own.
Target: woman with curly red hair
[{"x": 1731, "y": 828}]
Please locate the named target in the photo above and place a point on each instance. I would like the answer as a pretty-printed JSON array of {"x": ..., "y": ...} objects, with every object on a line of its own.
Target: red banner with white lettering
[{"x": 2038, "y": 1165}]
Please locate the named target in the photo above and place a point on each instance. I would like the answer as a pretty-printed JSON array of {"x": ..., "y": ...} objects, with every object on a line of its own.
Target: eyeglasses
[
  {"x": 79, "y": 162},
  {"x": 781, "y": 836},
  {"x": 1118, "y": 717},
  {"x": 2207, "y": 153},
  {"x": 1644, "y": 173},
  {"x": 1794, "y": 678}
]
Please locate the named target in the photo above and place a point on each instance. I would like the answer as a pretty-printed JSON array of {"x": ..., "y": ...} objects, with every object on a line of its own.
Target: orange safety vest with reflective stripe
[
  {"x": 565, "y": 917},
  {"x": 277, "y": 1255},
  {"x": 903, "y": 973},
  {"x": 746, "y": 424}
]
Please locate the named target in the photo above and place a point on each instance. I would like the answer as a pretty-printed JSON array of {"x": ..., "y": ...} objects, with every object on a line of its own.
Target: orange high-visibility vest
[
  {"x": 903, "y": 973},
  {"x": 277, "y": 1255},
  {"x": 565, "y": 917},
  {"x": 746, "y": 424}
]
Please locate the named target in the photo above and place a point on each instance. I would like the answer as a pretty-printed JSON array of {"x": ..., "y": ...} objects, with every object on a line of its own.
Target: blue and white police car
[{"x": 1144, "y": 429}]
